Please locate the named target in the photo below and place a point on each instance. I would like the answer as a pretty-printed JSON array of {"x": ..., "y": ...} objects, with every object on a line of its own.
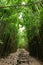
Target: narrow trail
[{"x": 21, "y": 57}]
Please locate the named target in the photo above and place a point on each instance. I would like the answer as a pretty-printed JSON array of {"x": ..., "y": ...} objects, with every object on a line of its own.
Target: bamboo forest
[{"x": 21, "y": 32}]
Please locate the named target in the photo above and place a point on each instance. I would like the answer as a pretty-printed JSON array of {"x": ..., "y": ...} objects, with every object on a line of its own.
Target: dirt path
[
  {"x": 12, "y": 59},
  {"x": 33, "y": 61}
]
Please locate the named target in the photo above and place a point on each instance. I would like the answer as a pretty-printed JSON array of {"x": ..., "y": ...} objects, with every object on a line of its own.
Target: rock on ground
[{"x": 12, "y": 59}]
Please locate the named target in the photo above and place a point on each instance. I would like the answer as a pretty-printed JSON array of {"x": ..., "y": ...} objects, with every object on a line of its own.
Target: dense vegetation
[{"x": 21, "y": 26}]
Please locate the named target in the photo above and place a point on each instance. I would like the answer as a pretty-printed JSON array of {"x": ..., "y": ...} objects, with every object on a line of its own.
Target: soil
[{"x": 13, "y": 57}]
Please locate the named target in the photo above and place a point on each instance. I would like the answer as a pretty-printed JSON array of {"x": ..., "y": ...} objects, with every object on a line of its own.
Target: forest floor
[{"x": 12, "y": 59}]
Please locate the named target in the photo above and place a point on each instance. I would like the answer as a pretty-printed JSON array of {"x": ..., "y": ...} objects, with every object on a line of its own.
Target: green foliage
[{"x": 30, "y": 17}]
